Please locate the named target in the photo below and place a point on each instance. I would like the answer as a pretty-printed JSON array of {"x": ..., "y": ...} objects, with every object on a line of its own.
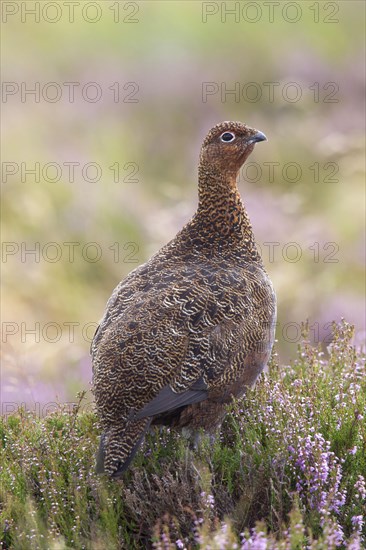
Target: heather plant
[{"x": 287, "y": 470}]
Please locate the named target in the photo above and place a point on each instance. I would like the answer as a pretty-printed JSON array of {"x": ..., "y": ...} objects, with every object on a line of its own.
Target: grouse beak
[{"x": 259, "y": 136}]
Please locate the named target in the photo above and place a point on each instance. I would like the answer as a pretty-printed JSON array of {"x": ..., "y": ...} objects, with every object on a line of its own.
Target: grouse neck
[{"x": 221, "y": 211}]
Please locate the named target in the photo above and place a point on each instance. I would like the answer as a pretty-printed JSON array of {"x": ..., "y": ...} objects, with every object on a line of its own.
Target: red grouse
[{"x": 192, "y": 327}]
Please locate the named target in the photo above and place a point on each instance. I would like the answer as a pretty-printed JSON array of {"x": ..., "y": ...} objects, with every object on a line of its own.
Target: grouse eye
[{"x": 227, "y": 137}]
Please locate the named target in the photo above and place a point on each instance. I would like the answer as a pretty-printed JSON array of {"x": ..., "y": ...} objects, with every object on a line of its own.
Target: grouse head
[{"x": 227, "y": 146}]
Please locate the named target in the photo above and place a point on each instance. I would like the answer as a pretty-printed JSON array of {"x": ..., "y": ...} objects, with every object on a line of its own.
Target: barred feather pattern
[{"x": 194, "y": 326}]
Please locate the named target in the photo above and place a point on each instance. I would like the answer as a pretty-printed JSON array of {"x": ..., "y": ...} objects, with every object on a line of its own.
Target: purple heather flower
[
  {"x": 355, "y": 544},
  {"x": 357, "y": 522},
  {"x": 209, "y": 499},
  {"x": 318, "y": 473},
  {"x": 360, "y": 485},
  {"x": 257, "y": 541}
]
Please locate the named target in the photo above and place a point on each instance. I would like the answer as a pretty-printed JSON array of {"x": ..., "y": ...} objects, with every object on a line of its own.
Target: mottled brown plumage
[{"x": 194, "y": 326}]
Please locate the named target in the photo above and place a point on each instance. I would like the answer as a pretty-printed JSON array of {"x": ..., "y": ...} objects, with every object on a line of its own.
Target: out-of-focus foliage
[{"x": 169, "y": 55}]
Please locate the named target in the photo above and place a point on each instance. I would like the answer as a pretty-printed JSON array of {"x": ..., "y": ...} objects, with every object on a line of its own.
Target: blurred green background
[{"x": 150, "y": 79}]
